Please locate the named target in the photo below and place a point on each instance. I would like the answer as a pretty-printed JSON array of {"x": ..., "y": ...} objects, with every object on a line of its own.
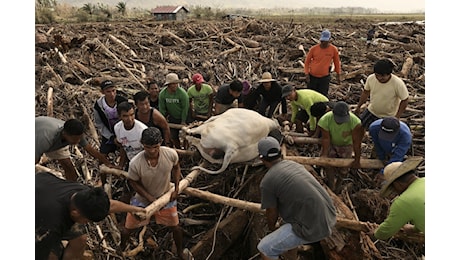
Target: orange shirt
[{"x": 319, "y": 60}]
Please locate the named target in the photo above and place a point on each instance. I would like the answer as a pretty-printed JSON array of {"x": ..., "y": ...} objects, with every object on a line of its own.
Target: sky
[
  {"x": 381, "y": 5},
  {"x": 442, "y": 92}
]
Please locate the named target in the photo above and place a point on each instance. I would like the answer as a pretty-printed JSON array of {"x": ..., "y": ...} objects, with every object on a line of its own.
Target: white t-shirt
[{"x": 130, "y": 139}]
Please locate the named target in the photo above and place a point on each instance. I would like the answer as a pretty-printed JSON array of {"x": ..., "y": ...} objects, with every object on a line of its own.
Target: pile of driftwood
[{"x": 221, "y": 214}]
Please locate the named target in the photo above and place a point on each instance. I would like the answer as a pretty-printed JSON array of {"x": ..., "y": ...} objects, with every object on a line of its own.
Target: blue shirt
[{"x": 394, "y": 149}]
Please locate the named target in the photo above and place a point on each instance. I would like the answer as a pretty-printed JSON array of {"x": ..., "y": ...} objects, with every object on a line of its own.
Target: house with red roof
[{"x": 163, "y": 13}]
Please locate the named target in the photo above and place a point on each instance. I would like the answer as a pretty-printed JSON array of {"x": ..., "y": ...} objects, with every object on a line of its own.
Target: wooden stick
[
  {"x": 120, "y": 62},
  {"x": 336, "y": 162},
  {"x": 256, "y": 208},
  {"x": 49, "y": 100}
]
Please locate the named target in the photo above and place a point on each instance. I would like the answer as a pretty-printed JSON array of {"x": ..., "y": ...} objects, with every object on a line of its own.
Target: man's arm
[
  {"x": 211, "y": 103},
  {"x": 160, "y": 121},
  {"x": 99, "y": 156},
  {"x": 118, "y": 206},
  {"x": 325, "y": 142},
  {"x": 362, "y": 99},
  {"x": 402, "y": 107},
  {"x": 176, "y": 176},
  {"x": 357, "y": 137},
  {"x": 272, "y": 218}
]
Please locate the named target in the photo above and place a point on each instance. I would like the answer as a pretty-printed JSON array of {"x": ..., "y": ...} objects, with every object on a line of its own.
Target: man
[
  {"x": 154, "y": 91},
  {"x": 106, "y": 116},
  {"x": 150, "y": 175},
  {"x": 341, "y": 135},
  {"x": 128, "y": 133},
  {"x": 392, "y": 139},
  {"x": 271, "y": 93},
  {"x": 388, "y": 94},
  {"x": 201, "y": 96},
  {"x": 174, "y": 105},
  {"x": 317, "y": 65},
  {"x": 289, "y": 191},
  {"x": 59, "y": 204},
  {"x": 227, "y": 94},
  {"x": 407, "y": 211},
  {"x": 151, "y": 116},
  {"x": 301, "y": 101},
  {"x": 53, "y": 137}
]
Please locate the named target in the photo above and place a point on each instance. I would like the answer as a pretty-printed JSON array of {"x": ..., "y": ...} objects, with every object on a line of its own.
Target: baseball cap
[
  {"x": 341, "y": 112},
  {"x": 197, "y": 78},
  {"x": 287, "y": 90},
  {"x": 107, "y": 84},
  {"x": 269, "y": 147},
  {"x": 389, "y": 128},
  {"x": 325, "y": 36}
]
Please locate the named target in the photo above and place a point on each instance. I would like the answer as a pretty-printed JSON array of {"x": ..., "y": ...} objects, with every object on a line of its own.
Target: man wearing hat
[
  {"x": 174, "y": 105},
  {"x": 317, "y": 65},
  {"x": 301, "y": 101},
  {"x": 201, "y": 96},
  {"x": 392, "y": 139},
  {"x": 289, "y": 191},
  {"x": 106, "y": 116},
  {"x": 271, "y": 93},
  {"x": 407, "y": 211},
  {"x": 60, "y": 204},
  {"x": 341, "y": 136}
]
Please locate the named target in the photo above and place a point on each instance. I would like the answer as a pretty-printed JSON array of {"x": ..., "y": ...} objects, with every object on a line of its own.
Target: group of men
[{"x": 141, "y": 134}]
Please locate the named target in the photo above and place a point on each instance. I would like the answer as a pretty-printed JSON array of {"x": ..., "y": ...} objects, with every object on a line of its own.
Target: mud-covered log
[{"x": 215, "y": 242}]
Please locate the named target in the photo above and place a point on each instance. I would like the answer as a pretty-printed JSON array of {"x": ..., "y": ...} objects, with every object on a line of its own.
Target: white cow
[{"x": 234, "y": 133}]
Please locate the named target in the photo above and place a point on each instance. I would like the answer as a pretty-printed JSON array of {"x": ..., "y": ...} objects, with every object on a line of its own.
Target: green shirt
[
  {"x": 174, "y": 104},
  {"x": 409, "y": 207},
  {"x": 200, "y": 98},
  {"x": 341, "y": 134},
  {"x": 305, "y": 99}
]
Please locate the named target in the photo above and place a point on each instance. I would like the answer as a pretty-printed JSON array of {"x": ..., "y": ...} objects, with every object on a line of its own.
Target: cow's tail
[{"x": 227, "y": 159}]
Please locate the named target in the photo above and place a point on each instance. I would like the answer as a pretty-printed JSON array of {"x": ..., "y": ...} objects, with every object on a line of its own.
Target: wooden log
[
  {"x": 122, "y": 44},
  {"x": 343, "y": 221},
  {"x": 405, "y": 46},
  {"x": 407, "y": 67},
  {"x": 306, "y": 140},
  {"x": 49, "y": 105},
  {"x": 122, "y": 64},
  {"x": 41, "y": 168},
  {"x": 336, "y": 162},
  {"x": 217, "y": 240},
  {"x": 246, "y": 205}
]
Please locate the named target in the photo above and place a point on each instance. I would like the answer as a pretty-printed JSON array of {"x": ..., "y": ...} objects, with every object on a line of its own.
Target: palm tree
[
  {"x": 89, "y": 8},
  {"x": 121, "y": 6}
]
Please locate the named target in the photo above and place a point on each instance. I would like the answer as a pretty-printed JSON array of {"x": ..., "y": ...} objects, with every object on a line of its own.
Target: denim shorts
[{"x": 280, "y": 241}]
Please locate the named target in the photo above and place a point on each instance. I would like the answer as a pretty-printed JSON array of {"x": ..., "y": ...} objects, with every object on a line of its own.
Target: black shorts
[{"x": 367, "y": 118}]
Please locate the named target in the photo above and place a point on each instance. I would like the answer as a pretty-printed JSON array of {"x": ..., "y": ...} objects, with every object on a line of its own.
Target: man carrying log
[
  {"x": 289, "y": 191},
  {"x": 61, "y": 207},
  {"x": 301, "y": 101},
  {"x": 392, "y": 139},
  {"x": 341, "y": 135},
  {"x": 408, "y": 210},
  {"x": 53, "y": 138},
  {"x": 388, "y": 94},
  {"x": 150, "y": 175}
]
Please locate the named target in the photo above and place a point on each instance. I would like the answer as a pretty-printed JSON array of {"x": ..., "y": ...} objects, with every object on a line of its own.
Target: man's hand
[
  {"x": 174, "y": 195},
  {"x": 356, "y": 163},
  {"x": 141, "y": 214}
]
